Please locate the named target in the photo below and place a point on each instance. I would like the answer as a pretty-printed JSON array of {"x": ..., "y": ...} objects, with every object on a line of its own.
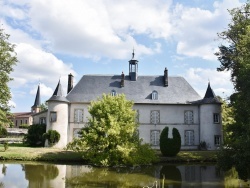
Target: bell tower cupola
[{"x": 133, "y": 68}]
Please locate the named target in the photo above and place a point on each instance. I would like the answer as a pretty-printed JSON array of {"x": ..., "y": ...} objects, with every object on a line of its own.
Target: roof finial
[{"x": 133, "y": 54}]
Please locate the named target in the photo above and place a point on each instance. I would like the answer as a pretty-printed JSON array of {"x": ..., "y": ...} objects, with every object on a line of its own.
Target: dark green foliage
[
  {"x": 3, "y": 132},
  {"x": 35, "y": 135},
  {"x": 53, "y": 136},
  {"x": 170, "y": 146},
  {"x": 235, "y": 57}
]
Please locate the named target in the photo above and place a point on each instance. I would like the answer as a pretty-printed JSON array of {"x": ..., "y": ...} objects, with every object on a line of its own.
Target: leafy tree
[
  {"x": 34, "y": 136},
  {"x": 170, "y": 146},
  {"x": 236, "y": 58},
  {"x": 44, "y": 106},
  {"x": 7, "y": 60},
  {"x": 111, "y": 137}
]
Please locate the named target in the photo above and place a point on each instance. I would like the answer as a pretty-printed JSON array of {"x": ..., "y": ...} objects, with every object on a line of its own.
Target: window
[
  {"x": 53, "y": 117},
  {"x": 76, "y": 133},
  {"x": 155, "y": 117},
  {"x": 155, "y": 137},
  {"x": 154, "y": 95},
  {"x": 189, "y": 117},
  {"x": 42, "y": 120},
  {"x": 26, "y": 121},
  {"x": 217, "y": 140},
  {"x": 78, "y": 115},
  {"x": 21, "y": 122},
  {"x": 189, "y": 137},
  {"x": 113, "y": 93},
  {"x": 216, "y": 118}
]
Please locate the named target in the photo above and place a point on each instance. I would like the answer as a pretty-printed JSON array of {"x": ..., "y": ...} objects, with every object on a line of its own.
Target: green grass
[
  {"x": 20, "y": 152},
  {"x": 24, "y": 153},
  {"x": 191, "y": 156}
]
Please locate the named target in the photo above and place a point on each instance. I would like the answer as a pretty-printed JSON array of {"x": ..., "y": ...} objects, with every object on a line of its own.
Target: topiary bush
[
  {"x": 170, "y": 146},
  {"x": 53, "y": 136},
  {"x": 34, "y": 136}
]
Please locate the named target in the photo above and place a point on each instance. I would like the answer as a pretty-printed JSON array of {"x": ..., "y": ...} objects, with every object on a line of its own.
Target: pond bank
[{"x": 59, "y": 155}]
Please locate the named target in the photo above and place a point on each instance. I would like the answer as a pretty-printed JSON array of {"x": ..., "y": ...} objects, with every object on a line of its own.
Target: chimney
[
  {"x": 122, "y": 80},
  {"x": 70, "y": 82},
  {"x": 165, "y": 77}
]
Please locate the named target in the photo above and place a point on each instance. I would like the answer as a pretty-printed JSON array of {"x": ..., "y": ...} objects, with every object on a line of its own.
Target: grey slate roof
[
  {"x": 37, "y": 102},
  {"x": 58, "y": 94},
  {"x": 209, "y": 98},
  {"x": 92, "y": 86}
]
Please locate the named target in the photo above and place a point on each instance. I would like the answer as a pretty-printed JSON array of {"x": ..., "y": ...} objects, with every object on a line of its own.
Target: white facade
[{"x": 160, "y": 101}]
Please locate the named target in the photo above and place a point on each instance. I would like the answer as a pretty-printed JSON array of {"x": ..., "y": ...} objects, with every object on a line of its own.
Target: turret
[
  {"x": 58, "y": 116},
  {"x": 36, "y": 107},
  {"x": 210, "y": 120}
]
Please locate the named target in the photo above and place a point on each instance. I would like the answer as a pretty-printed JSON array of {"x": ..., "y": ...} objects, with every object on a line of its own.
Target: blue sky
[{"x": 55, "y": 38}]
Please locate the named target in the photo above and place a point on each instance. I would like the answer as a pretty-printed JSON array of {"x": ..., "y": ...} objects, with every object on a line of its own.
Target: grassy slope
[{"x": 16, "y": 152}]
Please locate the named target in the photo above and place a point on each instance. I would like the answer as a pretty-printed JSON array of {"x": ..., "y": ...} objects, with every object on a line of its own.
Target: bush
[
  {"x": 24, "y": 126},
  {"x": 52, "y": 136},
  {"x": 3, "y": 132},
  {"x": 142, "y": 155},
  {"x": 34, "y": 136},
  {"x": 170, "y": 146},
  {"x": 6, "y": 146}
]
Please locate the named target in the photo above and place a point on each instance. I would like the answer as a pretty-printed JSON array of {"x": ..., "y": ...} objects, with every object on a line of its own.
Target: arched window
[
  {"x": 154, "y": 95},
  {"x": 113, "y": 93}
]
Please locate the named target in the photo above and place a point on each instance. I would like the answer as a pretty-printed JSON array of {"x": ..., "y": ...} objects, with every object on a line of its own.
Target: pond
[{"x": 38, "y": 175}]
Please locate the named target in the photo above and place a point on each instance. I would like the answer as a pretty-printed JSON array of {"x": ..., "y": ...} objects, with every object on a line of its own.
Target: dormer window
[
  {"x": 154, "y": 95},
  {"x": 113, "y": 93}
]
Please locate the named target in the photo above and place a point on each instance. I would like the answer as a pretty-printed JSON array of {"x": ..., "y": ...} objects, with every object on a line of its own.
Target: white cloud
[
  {"x": 96, "y": 28},
  {"x": 44, "y": 90},
  {"x": 37, "y": 66},
  {"x": 196, "y": 28},
  {"x": 219, "y": 81}
]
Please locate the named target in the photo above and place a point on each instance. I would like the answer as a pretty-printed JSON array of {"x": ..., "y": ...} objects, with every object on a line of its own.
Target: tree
[
  {"x": 7, "y": 60},
  {"x": 236, "y": 58},
  {"x": 170, "y": 146},
  {"x": 44, "y": 106},
  {"x": 110, "y": 137},
  {"x": 35, "y": 135}
]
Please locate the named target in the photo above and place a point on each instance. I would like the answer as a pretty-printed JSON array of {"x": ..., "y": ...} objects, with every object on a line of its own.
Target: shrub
[
  {"x": 24, "y": 126},
  {"x": 52, "y": 136},
  {"x": 34, "y": 136},
  {"x": 3, "y": 132},
  {"x": 170, "y": 146}
]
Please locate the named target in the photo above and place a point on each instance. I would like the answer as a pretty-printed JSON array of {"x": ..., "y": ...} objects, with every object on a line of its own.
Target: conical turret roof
[
  {"x": 58, "y": 94},
  {"x": 37, "y": 102}
]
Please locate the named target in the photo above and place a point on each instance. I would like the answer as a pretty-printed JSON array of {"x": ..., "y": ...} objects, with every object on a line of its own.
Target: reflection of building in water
[{"x": 54, "y": 176}]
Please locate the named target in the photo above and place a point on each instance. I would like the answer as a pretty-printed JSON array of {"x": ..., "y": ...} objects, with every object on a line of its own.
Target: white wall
[
  {"x": 208, "y": 128},
  {"x": 61, "y": 123}
]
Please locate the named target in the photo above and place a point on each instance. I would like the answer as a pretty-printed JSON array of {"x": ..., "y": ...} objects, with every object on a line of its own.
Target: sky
[{"x": 59, "y": 37}]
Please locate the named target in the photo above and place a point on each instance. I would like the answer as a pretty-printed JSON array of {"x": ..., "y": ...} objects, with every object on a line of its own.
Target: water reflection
[{"x": 71, "y": 176}]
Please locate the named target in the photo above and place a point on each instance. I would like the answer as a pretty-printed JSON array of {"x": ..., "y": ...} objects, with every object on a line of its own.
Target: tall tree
[
  {"x": 235, "y": 57},
  {"x": 7, "y": 60},
  {"x": 110, "y": 137}
]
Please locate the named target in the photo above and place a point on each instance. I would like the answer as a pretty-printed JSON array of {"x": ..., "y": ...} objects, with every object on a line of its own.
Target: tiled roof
[{"x": 90, "y": 87}]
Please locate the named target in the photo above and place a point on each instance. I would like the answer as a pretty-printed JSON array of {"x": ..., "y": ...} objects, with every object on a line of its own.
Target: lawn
[{"x": 20, "y": 152}]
